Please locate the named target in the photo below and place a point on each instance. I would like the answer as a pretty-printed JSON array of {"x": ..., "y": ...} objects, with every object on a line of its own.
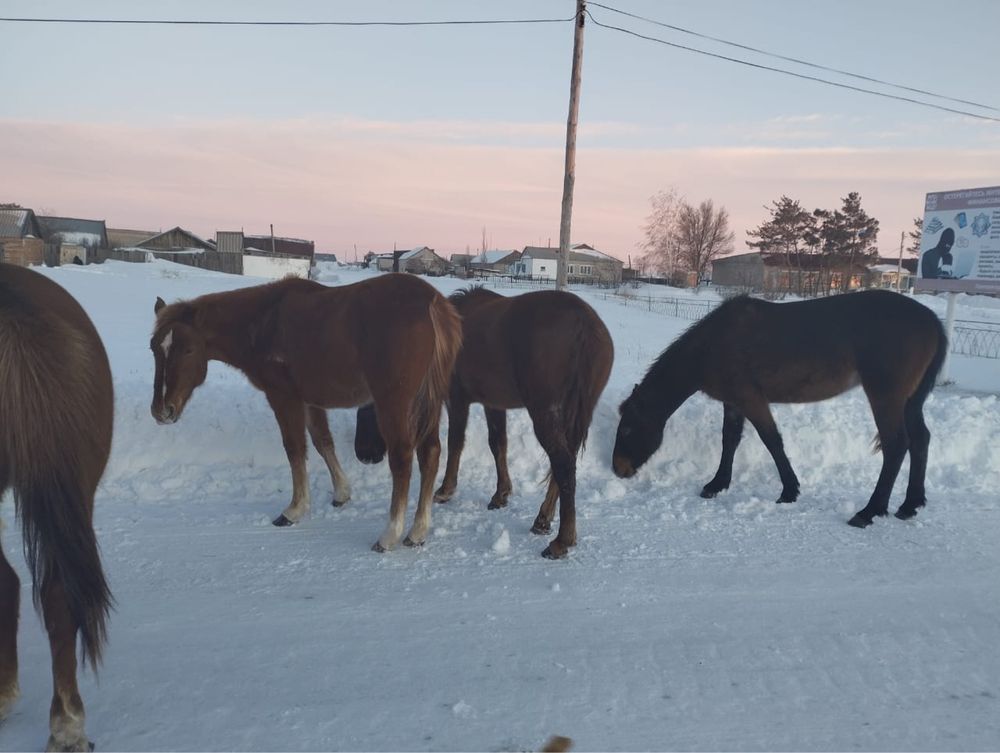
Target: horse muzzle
[
  {"x": 165, "y": 414},
  {"x": 623, "y": 468}
]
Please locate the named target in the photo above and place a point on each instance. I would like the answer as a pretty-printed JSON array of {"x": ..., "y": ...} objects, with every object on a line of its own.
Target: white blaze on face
[
  {"x": 167, "y": 342},
  {"x": 165, "y": 345}
]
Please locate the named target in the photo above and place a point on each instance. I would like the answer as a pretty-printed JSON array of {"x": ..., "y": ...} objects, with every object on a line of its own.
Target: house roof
[
  {"x": 75, "y": 230},
  {"x": 17, "y": 223},
  {"x": 494, "y": 256},
  {"x": 198, "y": 242},
  {"x": 542, "y": 252},
  {"x": 289, "y": 246},
  {"x": 120, "y": 237}
]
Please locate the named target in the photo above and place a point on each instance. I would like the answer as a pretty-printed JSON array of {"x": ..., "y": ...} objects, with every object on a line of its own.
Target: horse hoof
[
  {"x": 707, "y": 493},
  {"x": 441, "y": 496},
  {"x": 859, "y": 521},
  {"x": 411, "y": 543},
  {"x": 80, "y": 746},
  {"x": 377, "y": 547},
  {"x": 281, "y": 521},
  {"x": 905, "y": 513},
  {"x": 542, "y": 529},
  {"x": 497, "y": 504},
  {"x": 554, "y": 552},
  {"x": 340, "y": 502},
  {"x": 785, "y": 499}
]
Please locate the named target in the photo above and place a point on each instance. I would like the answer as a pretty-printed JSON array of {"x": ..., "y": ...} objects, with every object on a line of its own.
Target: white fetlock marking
[
  {"x": 67, "y": 733},
  {"x": 391, "y": 536}
]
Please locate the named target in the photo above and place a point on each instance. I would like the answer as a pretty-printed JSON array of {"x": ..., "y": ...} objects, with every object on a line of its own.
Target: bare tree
[
  {"x": 659, "y": 242},
  {"x": 702, "y": 235}
]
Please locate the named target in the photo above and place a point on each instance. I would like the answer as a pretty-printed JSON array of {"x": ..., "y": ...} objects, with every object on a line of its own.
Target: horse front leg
[
  {"x": 496, "y": 425},
  {"x": 759, "y": 414},
  {"x": 893, "y": 438},
  {"x": 10, "y": 598},
  {"x": 319, "y": 432},
  {"x": 428, "y": 458},
  {"x": 66, "y": 715},
  {"x": 732, "y": 433},
  {"x": 290, "y": 413},
  {"x": 458, "y": 419}
]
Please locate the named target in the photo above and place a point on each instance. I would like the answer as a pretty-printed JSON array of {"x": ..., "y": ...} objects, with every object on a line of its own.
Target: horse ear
[{"x": 158, "y": 305}]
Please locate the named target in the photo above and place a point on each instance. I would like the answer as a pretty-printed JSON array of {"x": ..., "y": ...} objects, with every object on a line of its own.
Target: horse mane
[{"x": 471, "y": 293}]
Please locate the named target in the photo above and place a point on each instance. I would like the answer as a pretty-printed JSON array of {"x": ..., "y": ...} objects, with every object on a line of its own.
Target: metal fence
[{"x": 979, "y": 339}]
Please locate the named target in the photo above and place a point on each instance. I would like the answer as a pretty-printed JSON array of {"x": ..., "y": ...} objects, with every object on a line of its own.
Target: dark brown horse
[
  {"x": 546, "y": 351},
  {"x": 392, "y": 340},
  {"x": 56, "y": 416},
  {"x": 749, "y": 353}
]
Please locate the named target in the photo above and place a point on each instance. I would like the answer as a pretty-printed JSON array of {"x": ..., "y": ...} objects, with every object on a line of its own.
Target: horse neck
[
  {"x": 672, "y": 379},
  {"x": 228, "y": 322}
]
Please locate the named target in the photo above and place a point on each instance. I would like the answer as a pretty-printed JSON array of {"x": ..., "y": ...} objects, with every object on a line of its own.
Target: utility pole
[
  {"x": 569, "y": 176},
  {"x": 899, "y": 264}
]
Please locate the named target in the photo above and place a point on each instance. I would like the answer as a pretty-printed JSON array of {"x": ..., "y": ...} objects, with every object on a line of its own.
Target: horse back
[{"x": 807, "y": 351}]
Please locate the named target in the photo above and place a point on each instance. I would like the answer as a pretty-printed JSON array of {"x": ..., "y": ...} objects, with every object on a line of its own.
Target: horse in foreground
[
  {"x": 391, "y": 340},
  {"x": 56, "y": 417},
  {"x": 749, "y": 353},
  {"x": 546, "y": 351}
]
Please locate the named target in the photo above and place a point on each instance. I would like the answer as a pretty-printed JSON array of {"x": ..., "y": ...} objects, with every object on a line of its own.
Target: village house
[
  {"x": 421, "y": 261},
  {"x": 20, "y": 237},
  {"x": 73, "y": 240},
  {"x": 495, "y": 262},
  {"x": 586, "y": 264}
]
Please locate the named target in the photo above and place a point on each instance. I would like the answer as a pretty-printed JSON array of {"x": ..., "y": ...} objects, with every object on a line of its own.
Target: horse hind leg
[
  {"x": 543, "y": 521},
  {"x": 920, "y": 438},
  {"x": 458, "y": 419},
  {"x": 319, "y": 432},
  {"x": 66, "y": 715},
  {"x": 10, "y": 593},
  {"x": 893, "y": 438},
  {"x": 394, "y": 424},
  {"x": 562, "y": 459},
  {"x": 732, "y": 433},
  {"x": 428, "y": 459},
  {"x": 496, "y": 424}
]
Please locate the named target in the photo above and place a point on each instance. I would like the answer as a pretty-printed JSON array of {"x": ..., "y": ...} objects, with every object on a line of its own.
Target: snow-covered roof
[{"x": 490, "y": 257}]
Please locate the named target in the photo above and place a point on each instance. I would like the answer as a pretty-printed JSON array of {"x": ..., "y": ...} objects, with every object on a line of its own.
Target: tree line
[{"x": 820, "y": 250}]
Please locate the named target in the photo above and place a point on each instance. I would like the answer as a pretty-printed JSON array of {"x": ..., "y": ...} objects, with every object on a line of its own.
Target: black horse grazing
[
  {"x": 749, "y": 353},
  {"x": 546, "y": 351}
]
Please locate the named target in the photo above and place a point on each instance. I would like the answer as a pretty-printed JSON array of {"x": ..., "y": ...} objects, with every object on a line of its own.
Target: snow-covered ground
[{"x": 676, "y": 623}]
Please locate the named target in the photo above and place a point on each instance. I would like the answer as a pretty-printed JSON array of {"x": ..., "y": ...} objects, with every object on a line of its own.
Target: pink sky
[{"x": 376, "y": 184}]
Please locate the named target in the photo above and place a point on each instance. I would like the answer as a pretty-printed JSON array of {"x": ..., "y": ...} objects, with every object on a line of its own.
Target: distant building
[
  {"x": 76, "y": 241},
  {"x": 586, "y": 264},
  {"x": 20, "y": 237},
  {"x": 496, "y": 262},
  {"x": 421, "y": 261}
]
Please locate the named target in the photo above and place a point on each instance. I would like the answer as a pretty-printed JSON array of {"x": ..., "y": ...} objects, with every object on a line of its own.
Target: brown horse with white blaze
[
  {"x": 56, "y": 421},
  {"x": 749, "y": 353},
  {"x": 547, "y": 351},
  {"x": 391, "y": 340}
]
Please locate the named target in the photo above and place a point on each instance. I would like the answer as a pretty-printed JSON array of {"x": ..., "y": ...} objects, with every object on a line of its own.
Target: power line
[
  {"x": 804, "y": 76},
  {"x": 794, "y": 60},
  {"x": 200, "y": 22}
]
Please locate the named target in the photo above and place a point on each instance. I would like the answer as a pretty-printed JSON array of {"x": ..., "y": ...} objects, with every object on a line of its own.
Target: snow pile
[{"x": 676, "y": 623}]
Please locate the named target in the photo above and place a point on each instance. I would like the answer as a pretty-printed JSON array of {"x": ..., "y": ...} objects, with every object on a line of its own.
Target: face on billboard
[{"x": 960, "y": 246}]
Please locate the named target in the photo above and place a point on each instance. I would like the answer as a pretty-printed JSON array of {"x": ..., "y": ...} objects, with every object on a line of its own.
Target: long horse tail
[
  {"x": 54, "y": 442},
  {"x": 934, "y": 367},
  {"x": 589, "y": 368},
  {"x": 447, "y": 325}
]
